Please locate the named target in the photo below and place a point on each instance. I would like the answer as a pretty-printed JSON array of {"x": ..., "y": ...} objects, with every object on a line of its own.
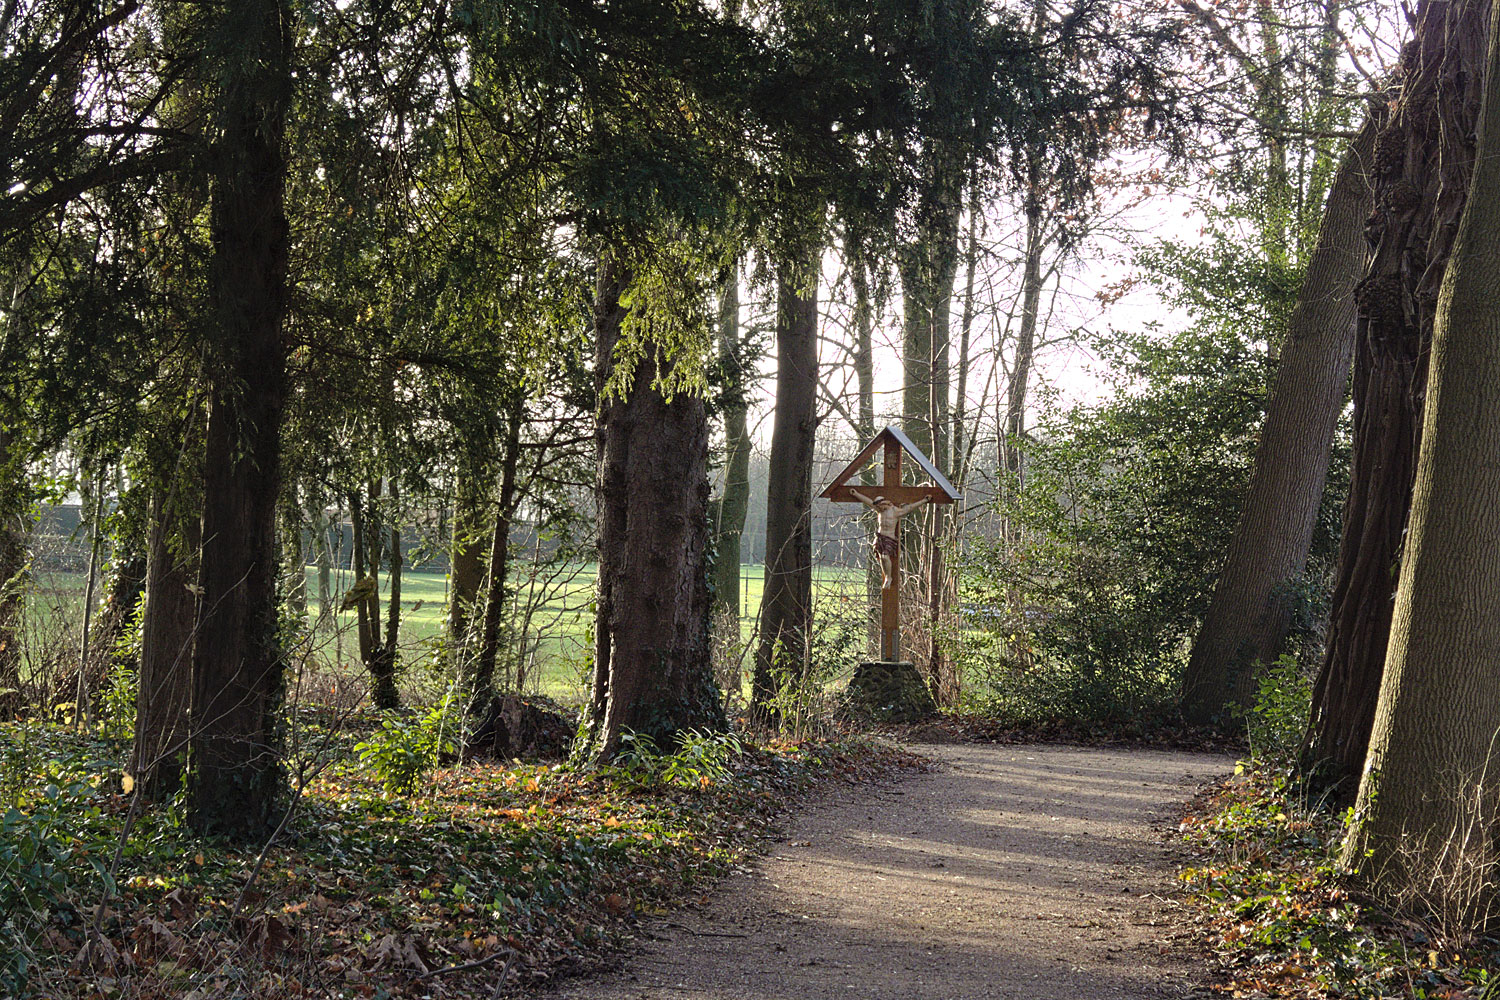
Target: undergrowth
[
  {"x": 1275, "y": 911},
  {"x": 488, "y": 876}
]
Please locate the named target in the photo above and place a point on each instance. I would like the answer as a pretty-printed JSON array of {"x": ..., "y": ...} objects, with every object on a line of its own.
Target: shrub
[
  {"x": 701, "y": 759},
  {"x": 406, "y": 748},
  {"x": 1276, "y": 722}
]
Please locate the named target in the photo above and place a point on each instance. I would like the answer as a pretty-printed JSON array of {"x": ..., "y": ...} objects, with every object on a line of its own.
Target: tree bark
[
  {"x": 165, "y": 680},
  {"x": 235, "y": 781},
  {"x": 324, "y": 560},
  {"x": 786, "y": 602},
  {"x": 1031, "y": 304},
  {"x": 864, "y": 376},
  {"x": 466, "y": 557},
  {"x": 378, "y": 658},
  {"x": 394, "y": 560},
  {"x": 1427, "y": 804},
  {"x": 1247, "y": 621},
  {"x": 294, "y": 559},
  {"x": 482, "y": 687},
  {"x": 652, "y": 672},
  {"x": 928, "y": 267},
  {"x": 735, "y": 502},
  {"x": 365, "y": 576},
  {"x": 1423, "y": 158}
]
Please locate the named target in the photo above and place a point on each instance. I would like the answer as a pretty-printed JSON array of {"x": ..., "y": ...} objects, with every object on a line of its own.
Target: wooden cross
[{"x": 895, "y": 444}]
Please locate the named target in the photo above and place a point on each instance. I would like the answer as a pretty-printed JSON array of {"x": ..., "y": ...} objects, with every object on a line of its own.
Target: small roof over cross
[{"x": 891, "y": 439}]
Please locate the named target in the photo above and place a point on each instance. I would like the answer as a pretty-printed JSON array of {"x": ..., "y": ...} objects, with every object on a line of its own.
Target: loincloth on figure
[{"x": 885, "y": 545}]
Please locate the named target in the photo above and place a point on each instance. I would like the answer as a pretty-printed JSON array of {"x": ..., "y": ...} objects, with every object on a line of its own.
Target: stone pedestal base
[{"x": 889, "y": 691}]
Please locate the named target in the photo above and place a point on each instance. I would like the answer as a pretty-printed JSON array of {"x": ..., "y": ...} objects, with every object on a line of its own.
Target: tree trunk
[
  {"x": 1418, "y": 199},
  {"x": 323, "y": 556},
  {"x": 1031, "y": 304},
  {"x": 379, "y": 659},
  {"x": 294, "y": 560},
  {"x": 652, "y": 672},
  {"x": 391, "y": 645},
  {"x": 482, "y": 687},
  {"x": 864, "y": 375},
  {"x": 962, "y": 441},
  {"x": 165, "y": 681},
  {"x": 365, "y": 577},
  {"x": 235, "y": 779},
  {"x": 735, "y": 503},
  {"x": 928, "y": 267},
  {"x": 1428, "y": 801},
  {"x": 466, "y": 566},
  {"x": 786, "y": 602},
  {"x": 1247, "y": 622}
]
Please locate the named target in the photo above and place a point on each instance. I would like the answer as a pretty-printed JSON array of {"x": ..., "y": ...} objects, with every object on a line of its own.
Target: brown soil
[{"x": 1035, "y": 872}]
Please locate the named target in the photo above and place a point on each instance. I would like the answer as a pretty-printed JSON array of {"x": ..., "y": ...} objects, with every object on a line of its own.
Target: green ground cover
[
  {"x": 495, "y": 874},
  {"x": 1284, "y": 923}
]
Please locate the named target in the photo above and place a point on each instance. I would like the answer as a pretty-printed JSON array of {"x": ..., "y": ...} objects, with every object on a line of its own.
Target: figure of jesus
[{"x": 887, "y": 514}]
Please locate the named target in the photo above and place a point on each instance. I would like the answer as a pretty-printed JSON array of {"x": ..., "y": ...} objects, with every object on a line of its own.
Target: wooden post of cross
[{"x": 890, "y": 596}]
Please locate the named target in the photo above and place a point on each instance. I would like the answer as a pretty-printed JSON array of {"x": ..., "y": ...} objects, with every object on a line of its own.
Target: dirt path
[{"x": 1008, "y": 872}]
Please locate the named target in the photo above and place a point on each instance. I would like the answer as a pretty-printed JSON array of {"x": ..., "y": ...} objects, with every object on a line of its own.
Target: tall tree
[
  {"x": 1248, "y": 620},
  {"x": 786, "y": 601},
  {"x": 164, "y": 687},
  {"x": 235, "y": 778},
  {"x": 1429, "y": 796},
  {"x": 482, "y": 679},
  {"x": 1423, "y": 158},
  {"x": 651, "y": 639},
  {"x": 734, "y": 503}
]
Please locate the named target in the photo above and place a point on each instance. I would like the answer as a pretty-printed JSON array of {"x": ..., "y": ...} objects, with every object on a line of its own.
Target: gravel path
[{"x": 1029, "y": 872}]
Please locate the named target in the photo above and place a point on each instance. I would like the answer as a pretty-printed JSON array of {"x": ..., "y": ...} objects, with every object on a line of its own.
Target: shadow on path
[{"x": 1031, "y": 873}]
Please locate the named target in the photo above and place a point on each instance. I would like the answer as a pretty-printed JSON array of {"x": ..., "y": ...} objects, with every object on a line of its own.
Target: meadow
[{"x": 555, "y": 605}]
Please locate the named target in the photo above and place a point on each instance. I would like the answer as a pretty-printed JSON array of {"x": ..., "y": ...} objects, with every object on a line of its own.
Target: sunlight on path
[{"x": 1031, "y": 873}]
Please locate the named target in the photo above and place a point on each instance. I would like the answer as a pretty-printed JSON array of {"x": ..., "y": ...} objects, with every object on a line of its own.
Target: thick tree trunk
[
  {"x": 735, "y": 503},
  {"x": 786, "y": 602},
  {"x": 482, "y": 686},
  {"x": 928, "y": 267},
  {"x": 235, "y": 780},
  {"x": 1247, "y": 622},
  {"x": 652, "y": 672},
  {"x": 1430, "y": 795},
  {"x": 942, "y": 681},
  {"x": 165, "y": 688},
  {"x": 1419, "y": 197}
]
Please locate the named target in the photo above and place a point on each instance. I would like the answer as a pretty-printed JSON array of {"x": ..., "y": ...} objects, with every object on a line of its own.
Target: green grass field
[{"x": 561, "y": 616}]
